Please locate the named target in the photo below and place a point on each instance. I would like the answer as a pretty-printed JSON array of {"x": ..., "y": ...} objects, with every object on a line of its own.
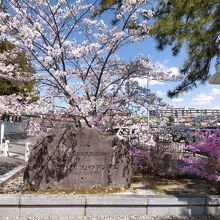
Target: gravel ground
[
  {"x": 127, "y": 218},
  {"x": 183, "y": 186},
  {"x": 13, "y": 186}
]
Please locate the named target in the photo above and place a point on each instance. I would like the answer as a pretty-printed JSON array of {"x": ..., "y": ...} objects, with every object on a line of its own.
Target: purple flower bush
[
  {"x": 139, "y": 155},
  {"x": 152, "y": 160},
  {"x": 205, "y": 158},
  {"x": 139, "y": 152}
]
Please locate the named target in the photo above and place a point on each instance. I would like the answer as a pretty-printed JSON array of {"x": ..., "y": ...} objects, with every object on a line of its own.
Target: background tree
[
  {"x": 9, "y": 86},
  {"x": 171, "y": 120},
  {"x": 10, "y": 55},
  {"x": 194, "y": 25}
]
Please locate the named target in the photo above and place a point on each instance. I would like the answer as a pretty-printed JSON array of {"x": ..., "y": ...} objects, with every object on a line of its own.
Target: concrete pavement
[{"x": 15, "y": 163}]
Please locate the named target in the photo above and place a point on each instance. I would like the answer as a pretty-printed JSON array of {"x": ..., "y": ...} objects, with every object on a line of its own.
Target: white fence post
[
  {"x": 27, "y": 151},
  {"x": 2, "y": 135},
  {"x": 6, "y": 149}
]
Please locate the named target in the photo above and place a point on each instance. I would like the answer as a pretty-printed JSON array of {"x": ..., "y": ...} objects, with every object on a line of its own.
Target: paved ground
[
  {"x": 9, "y": 162},
  {"x": 6, "y": 166},
  {"x": 9, "y": 165}
]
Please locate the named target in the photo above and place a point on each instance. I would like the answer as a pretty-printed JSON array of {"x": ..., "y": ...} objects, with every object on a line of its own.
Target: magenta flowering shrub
[
  {"x": 152, "y": 160},
  {"x": 139, "y": 152},
  {"x": 205, "y": 158},
  {"x": 139, "y": 156}
]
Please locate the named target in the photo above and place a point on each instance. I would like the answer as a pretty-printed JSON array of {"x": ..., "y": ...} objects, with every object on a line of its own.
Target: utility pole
[{"x": 148, "y": 106}]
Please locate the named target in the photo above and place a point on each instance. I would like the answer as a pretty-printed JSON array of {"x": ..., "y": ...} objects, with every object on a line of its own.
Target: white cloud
[
  {"x": 163, "y": 65},
  {"x": 214, "y": 92},
  {"x": 215, "y": 107},
  {"x": 161, "y": 94},
  {"x": 155, "y": 82},
  {"x": 143, "y": 82},
  {"x": 174, "y": 70},
  {"x": 207, "y": 99},
  {"x": 202, "y": 99},
  {"x": 177, "y": 100}
]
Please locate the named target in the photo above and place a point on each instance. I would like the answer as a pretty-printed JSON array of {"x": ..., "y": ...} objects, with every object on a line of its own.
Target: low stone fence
[
  {"x": 69, "y": 206},
  {"x": 13, "y": 127}
]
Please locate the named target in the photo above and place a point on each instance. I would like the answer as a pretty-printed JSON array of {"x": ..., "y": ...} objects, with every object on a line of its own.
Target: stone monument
[{"x": 78, "y": 158}]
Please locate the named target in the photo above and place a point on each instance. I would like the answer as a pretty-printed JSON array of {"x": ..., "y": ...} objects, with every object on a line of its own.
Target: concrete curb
[
  {"x": 69, "y": 206},
  {"x": 11, "y": 174}
]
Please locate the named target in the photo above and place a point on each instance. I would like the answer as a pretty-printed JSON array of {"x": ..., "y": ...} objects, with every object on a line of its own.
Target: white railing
[
  {"x": 27, "y": 151},
  {"x": 6, "y": 149}
]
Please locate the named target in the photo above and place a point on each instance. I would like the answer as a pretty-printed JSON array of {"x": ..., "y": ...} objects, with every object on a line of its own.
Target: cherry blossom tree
[{"x": 78, "y": 67}]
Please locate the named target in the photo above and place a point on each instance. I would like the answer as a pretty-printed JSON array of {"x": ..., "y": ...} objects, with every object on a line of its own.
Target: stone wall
[{"x": 14, "y": 206}]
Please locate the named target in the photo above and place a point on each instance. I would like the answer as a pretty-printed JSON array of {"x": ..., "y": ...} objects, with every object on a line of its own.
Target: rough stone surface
[{"x": 78, "y": 159}]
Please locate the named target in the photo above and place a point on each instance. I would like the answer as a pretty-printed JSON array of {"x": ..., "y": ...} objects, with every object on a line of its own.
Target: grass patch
[{"x": 158, "y": 190}]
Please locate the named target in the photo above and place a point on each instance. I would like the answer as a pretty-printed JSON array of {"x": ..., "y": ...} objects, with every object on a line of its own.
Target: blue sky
[{"x": 204, "y": 96}]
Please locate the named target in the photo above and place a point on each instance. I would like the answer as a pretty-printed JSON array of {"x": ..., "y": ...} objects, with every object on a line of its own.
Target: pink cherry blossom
[{"x": 78, "y": 68}]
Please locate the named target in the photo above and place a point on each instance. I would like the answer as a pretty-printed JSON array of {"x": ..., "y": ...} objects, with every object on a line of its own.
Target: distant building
[{"x": 188, "y": 114}]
